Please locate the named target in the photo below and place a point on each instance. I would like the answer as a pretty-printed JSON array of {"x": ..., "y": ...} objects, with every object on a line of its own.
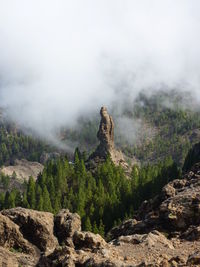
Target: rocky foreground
[{"x": 166, "y": 232}]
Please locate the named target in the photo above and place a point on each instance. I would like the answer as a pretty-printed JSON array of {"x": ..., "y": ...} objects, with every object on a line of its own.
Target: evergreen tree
[
  {"x": 39, "y": 198},
  {"x": 46, "y": 200},
  {"x": 87, "y": 224},
  {"x": 31, "y": 193}
]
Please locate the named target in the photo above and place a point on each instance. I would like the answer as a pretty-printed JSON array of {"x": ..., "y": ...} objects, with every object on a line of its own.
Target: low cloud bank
[{"x": 60, "y": 60}]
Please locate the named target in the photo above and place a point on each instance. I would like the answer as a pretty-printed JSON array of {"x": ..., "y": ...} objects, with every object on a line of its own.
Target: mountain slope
[
  {"x": 149, "y": 128},
  {"x": 165, "y": 232}
]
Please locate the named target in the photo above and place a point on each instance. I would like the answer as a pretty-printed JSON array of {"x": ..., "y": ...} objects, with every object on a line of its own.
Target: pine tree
[
  {"x": 39, "y": 198},
  {"x": 101, "y": 228},
  {"x": 46, "y": 200},
  {"x": 95, "y": 228},
  {"x": 31, "y": 193},
  {"x": 25, "y": 203},
  {"x": 87, "y": 224}
]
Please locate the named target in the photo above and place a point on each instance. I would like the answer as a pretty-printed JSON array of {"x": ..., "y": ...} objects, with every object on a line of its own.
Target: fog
[{"x": 63, "y": 59}]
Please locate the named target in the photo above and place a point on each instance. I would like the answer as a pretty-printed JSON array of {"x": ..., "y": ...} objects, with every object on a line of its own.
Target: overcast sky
[{"x": 61, "y": 58}]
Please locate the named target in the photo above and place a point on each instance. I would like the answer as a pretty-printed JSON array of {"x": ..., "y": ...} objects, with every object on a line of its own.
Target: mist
[{"x": 60, "y": 60}]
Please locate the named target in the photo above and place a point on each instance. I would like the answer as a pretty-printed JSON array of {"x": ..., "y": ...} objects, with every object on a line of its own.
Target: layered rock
[{"x": 106, "y": 138}]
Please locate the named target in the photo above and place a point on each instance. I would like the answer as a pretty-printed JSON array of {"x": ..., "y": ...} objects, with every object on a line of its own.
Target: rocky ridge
[{"x": 165, "y": 232}]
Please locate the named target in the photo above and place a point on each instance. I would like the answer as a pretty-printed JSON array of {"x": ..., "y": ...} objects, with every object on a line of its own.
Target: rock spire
[
  {"x": 106, "y": 138},
  {"x": 106, "y": 132}
]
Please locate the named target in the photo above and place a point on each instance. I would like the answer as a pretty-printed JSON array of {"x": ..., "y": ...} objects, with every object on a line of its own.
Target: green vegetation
[
  {"x": 16, "y": 145},
  {"x": 170, "y": 126},
  {"x": 174, "y": 125},
  {"x": 102, "y": 198},
  {"x": 105, "y": 196},
  {"x": 192, "y": 157}
]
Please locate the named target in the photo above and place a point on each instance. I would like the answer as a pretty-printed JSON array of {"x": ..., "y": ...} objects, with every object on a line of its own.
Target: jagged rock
[
  {"x": 175, "y": 212},
  {"x": 65, "y": 256},
  {"x": 194, "y": 259},
  {"x": 88, "y": 240},
  {"x": 106, "y": 139},
  {"x": 66, "y": 223},
  {"x": 168, "y": 191},
  {"x": 150, "y": 240},
  {"x": 192, "y": 233},
  {"x": 103, "y": 263},
  {"x": 7, "y": 258},
  {"x": 12, "y": 238},
  {"x": 37, "y": 227}
]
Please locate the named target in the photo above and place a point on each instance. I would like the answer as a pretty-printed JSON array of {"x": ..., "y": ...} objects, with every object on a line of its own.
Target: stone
[
  {"x": 7, "y": 258},
  {"x": 66, "y": 224},
  {"x": 192, "y": 233},
  {"x": 12, "y": 238},
  {"x": 36, "y": 226},
  {"x": 88, "y": 240},
  {"x": 194, "y": 259},
  {"x": 150, "y": 240},
  {"x": 168, "y": 191}
]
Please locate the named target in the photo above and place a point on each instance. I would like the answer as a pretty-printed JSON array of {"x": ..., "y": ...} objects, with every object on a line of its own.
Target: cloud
[{"x": 62, "y": 59}]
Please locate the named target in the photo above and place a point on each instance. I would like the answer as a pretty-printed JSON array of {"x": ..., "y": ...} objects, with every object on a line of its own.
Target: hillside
[
  {"x": 151, "y": 209},
  {"x": 102, "y": 189},
  {"x": 165, "y": 232},
  {"x": 149, "y": 128}
]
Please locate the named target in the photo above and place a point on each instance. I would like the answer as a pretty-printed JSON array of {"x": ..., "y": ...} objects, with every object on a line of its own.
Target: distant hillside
[
  {"x": 15, "y": 144},
  {"x": 150, "y": 128}
]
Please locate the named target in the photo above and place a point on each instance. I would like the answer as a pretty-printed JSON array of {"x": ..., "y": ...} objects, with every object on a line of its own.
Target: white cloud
[{"x": 60, "y": 59}]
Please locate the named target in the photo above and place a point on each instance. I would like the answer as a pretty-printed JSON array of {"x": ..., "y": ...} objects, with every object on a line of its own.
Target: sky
[{"x": 62, "y": 59}]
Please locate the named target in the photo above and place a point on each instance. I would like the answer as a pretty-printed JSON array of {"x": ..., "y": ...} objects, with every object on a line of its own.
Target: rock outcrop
[
  {"x": 37, "y": 227},
  {"x": 66, "y": 224},
  {"x": 106, "y": 138},
  {"x": 174, "y": 211}
]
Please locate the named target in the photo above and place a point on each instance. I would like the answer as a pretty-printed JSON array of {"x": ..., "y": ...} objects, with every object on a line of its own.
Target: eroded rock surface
[
  {"x": 37, "y": 227},
  {"x": 106, "y": 138},
  {"x": 66, "y": 224}
]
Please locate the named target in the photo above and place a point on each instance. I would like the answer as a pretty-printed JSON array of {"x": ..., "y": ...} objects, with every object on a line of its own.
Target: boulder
[
  {"x": 88, "y": 240},
  {"x": 150, "y": 240},
  {"x": 168, "y": 191},
  {"x": 66, "y": 223},
  {"x": 7, "y": 258},
  {"x": 37, "y": 227},
  {"x": 12, "y": 238}
]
